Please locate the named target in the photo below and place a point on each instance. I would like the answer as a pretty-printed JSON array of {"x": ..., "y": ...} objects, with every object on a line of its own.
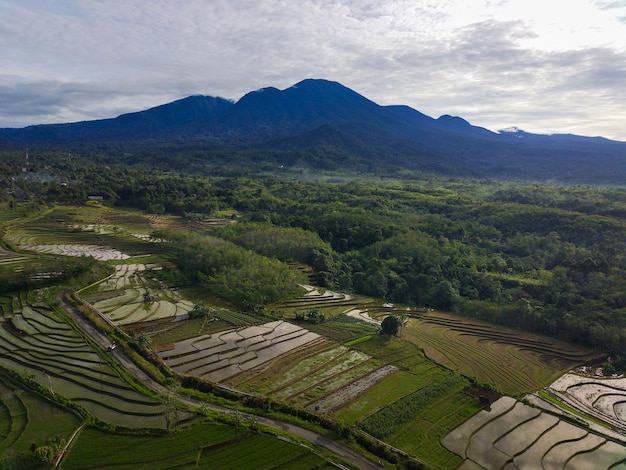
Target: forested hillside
[{"x": 544, "y": 258}]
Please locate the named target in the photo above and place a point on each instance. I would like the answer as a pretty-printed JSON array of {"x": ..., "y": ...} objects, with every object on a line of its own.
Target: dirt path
[
  {"x": 67, "y": 446},
  {"x": 317, "y": 439}
]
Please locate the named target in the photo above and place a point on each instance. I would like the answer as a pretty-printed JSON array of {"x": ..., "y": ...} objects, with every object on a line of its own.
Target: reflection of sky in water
[
  {"x": 101, "y": 253},
  {"x": 219, "y": 356}
]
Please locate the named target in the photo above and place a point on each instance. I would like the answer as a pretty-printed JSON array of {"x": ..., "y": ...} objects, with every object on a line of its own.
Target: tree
[
  {"x": 391, "y": 325},
  {"x": 315, "y": 316},
  {"x": 144, "y": 340},
  {"x": 148, "y": 298},
  {"x": 200, "y": 311}
]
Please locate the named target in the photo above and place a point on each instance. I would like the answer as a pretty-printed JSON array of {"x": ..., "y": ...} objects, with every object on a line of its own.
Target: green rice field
[
  {"x": 207, "y": 445},
  {"x": 27, "y": 418}
]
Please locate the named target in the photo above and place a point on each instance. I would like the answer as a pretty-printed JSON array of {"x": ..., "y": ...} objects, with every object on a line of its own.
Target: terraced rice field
[
  {"x": 346, "y": 394},
  {"x": 36, "y": 342},
  {"x": 54, "y": 232},
  {"x": 514, "y": 435},
  {"x": 281, "y": 360},
  {"x": 121, "y": 297},
  {"x": 8, "y": 215},
  {"x": 9, "y": 258},
  {"x": 333, "y": 303},
  {"x": 91, "y": 230},
  {"x": 26, "y": 418},
  {"x": 222, "y": 355},
  {"x": 603, "y": 398},
  {"x": 101, "y": 253},
  {"x": 515, "y": 362}
]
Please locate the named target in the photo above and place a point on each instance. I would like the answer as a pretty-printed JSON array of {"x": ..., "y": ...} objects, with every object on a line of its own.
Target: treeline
[
  {"x": 247, "y": 279},
  {"x": 65, "y": 179}
]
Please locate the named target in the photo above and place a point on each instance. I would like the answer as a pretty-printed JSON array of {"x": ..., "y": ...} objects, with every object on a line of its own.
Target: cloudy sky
[{"x": 545, "y": 66}]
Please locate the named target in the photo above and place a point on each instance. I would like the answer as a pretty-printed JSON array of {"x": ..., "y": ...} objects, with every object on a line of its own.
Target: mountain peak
[
  {"x": 453, "y": 121},
  {"x": 270, "y": 113}
]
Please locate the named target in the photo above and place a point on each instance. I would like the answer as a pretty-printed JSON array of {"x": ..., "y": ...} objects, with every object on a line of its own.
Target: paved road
[{"x": 314, "y": 438}]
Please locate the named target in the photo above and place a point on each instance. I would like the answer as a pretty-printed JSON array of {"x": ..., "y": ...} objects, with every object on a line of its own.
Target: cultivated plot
[
  {"x": 513, "y": 435},
  {"x": 36, "y": 342},
  {"x": 90, "y": 230},
  {"x": 128, "y": 297},
  {"x": 604, "y": 398},
  {"x": 206, "y": 445},
  {"x": 26, "y": 419},
  {"x": 515, "y": 362},
  {"x": 220, "y": 356}
]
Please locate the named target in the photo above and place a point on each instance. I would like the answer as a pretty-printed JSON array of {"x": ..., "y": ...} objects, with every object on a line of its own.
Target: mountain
[
  {"x": 154, "y": 122},
  {"x": 327, "y": 125}
]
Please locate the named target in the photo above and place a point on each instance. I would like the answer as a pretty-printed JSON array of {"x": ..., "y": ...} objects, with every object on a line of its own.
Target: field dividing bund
[
  {"x": 514, "y": 433},
  {"x": 515, "y": 362},
  {"x": 39, "y": 344}
]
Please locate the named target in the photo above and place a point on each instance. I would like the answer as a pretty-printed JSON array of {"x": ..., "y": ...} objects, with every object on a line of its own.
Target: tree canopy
[{"x": 391, "y": 325}]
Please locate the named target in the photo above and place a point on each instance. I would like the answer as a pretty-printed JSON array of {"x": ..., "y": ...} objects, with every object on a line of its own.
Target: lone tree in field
[
  {"x": 148, "y": 298},
  {"x": 390, "y": 325}
]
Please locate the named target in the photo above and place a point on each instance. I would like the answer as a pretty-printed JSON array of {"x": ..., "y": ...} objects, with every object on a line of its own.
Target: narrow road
[{"x": 314, "y": 438}]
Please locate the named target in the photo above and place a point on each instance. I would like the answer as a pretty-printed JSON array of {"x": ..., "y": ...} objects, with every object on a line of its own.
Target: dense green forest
[{"x": 543, "y": 258}]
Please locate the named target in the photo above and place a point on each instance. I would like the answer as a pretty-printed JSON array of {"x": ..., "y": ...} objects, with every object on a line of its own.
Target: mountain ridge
[{"x": 315, "y": 116}]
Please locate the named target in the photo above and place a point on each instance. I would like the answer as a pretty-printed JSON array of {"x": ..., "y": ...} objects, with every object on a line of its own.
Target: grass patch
[
  {"x": 540, "y": 280},
  {"x": 362, "y": 339}
]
